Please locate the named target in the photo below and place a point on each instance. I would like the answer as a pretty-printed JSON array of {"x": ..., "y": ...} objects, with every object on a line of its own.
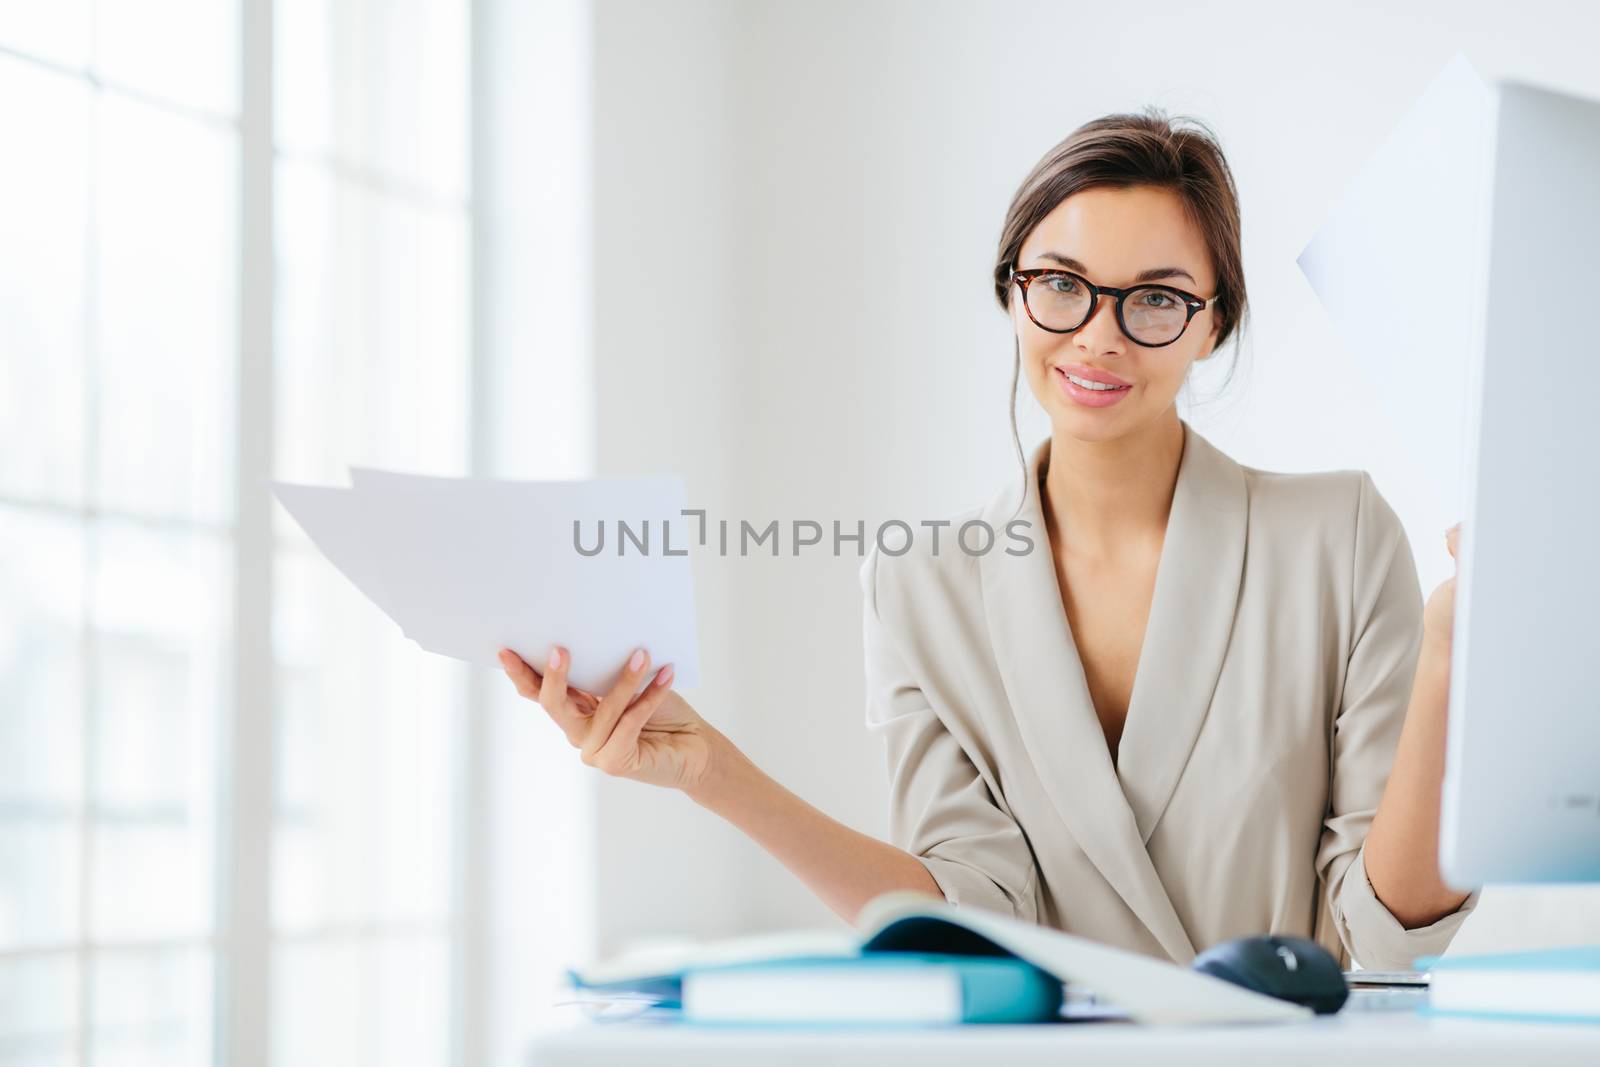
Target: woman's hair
[{"x": 1149, "y": 148}]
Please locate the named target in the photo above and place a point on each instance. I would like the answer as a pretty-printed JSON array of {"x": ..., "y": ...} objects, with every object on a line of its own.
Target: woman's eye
[
  {"x": 1156, "y": 300},
  {"x": 1062, "y": 285}
]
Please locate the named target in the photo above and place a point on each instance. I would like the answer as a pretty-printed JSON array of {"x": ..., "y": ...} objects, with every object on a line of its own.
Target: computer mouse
[{"x": 1289, "y": 968}]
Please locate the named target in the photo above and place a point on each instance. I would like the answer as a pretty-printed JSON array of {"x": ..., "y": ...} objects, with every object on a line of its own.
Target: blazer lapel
[
  {"x": 1049, "y": 694},
  {"x": 1191, "y": 622}
]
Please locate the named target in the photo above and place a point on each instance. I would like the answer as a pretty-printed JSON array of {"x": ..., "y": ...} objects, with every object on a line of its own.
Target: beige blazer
[{"x": 1272, "y": 683}]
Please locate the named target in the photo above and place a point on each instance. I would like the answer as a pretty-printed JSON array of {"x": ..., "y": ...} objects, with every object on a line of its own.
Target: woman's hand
[
  {"x": 1438, "y": 615},
  {"x": 654, "y": 737}
]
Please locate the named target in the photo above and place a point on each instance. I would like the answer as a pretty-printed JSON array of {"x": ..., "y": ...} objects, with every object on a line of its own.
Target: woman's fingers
[
  {"x": 589, "y": 721},
  {"x": 1452, "y": 540},
  {"x": 524, "y": 677},
  {"x": 619, "y": 747},
  {"x": 553, "y": 691},
  {"x": 530, "y": 685},
  {"x": 614, "y": 703}
]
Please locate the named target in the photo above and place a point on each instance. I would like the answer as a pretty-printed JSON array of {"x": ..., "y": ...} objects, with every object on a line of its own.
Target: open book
[{"x": 1148, "y": 990}]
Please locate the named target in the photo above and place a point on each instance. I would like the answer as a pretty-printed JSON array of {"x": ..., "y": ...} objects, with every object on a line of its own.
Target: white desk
[{"x": 1373, "y": 1030}]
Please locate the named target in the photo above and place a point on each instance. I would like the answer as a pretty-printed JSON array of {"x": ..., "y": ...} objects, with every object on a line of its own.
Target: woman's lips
[
  {"x": 1093, "y": 374},
  {"x": 1089, "y": 398}
]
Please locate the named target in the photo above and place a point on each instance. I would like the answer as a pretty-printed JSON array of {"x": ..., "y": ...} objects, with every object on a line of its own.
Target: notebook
[{"x": 1146, "y": 989}]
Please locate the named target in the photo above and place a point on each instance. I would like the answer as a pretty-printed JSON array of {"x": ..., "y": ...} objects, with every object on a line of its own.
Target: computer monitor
[{"x": 1522, "y": 780}]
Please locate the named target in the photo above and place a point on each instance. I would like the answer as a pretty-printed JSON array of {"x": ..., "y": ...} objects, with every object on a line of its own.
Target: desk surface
[{"x": 1375, "y": 1029}]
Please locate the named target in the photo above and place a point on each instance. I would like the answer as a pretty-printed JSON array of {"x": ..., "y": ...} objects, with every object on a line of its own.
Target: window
[
  {"x": 371, "y": 368},
  {"x": 146, "y": 587}
]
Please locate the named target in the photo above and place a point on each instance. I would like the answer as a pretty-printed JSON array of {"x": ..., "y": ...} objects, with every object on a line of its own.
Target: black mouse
[{"x": 1289, "y": 968}]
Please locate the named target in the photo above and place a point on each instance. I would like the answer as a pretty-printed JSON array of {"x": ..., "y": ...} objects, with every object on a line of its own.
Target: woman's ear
[{"x": 1211, "y": 340}]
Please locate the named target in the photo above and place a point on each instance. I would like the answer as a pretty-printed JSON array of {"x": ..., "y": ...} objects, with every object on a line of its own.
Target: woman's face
[{"x": 1117, "y": 237}]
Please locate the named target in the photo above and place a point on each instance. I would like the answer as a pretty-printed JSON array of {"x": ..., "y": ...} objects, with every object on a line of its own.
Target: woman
[{"x": 1213, "y": 708}]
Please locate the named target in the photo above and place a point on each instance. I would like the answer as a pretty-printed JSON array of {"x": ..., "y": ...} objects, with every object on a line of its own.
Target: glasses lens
[
  {"x": 1058, "y": 301},
  {"x": 1154, "y": 316}
]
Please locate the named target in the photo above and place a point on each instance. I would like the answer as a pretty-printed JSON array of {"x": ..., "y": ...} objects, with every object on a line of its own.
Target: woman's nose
[{"x": 1100, "y": 332}]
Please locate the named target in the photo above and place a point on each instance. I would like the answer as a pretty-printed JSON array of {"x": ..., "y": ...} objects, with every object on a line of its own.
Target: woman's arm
[
  {"x": 844, "y": 867},
  {"x": 1377, "y": 858},
  {"x": 657, "y": 738},
  {"x": 959, "y": 843},
  {"x": 1402, "y": 851}
]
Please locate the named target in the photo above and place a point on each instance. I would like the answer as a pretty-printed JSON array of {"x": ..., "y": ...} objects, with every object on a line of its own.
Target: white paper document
[
  {"x": 1400, "y": 267},
  {"x": 468, "y": 566}
]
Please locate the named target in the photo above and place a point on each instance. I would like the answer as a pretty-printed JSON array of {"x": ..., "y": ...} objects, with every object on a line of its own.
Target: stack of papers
[
  {"x": 1555, "y": 985},
  {"x": 468, "y": 566}
]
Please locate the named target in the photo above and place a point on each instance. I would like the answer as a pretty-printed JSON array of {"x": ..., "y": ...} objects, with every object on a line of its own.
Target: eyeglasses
[{"x": 1150, "y": 315}]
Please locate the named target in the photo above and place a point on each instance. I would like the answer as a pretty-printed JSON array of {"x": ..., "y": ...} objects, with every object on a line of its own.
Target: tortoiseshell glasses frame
[{"x": 1192, "y": 304}]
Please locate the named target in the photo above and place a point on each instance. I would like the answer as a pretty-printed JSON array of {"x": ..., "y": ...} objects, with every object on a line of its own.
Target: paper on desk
[
  {"x": 1400, "y": 267},
  {"x": 467, "y": 566}
]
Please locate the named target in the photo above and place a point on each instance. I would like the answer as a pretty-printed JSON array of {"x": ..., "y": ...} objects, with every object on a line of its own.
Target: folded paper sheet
[
  {"x": 467, "y": 566},
  {"x": 1400, "y": 265}
]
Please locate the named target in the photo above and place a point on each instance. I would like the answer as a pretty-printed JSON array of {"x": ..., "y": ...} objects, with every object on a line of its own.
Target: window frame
[{"x": 240, "y": 944}]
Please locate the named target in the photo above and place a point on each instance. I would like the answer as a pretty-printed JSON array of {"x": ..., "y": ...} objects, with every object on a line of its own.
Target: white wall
[
  {"x": 668, "y": 399},
  {"x": 811, "y": 194}
]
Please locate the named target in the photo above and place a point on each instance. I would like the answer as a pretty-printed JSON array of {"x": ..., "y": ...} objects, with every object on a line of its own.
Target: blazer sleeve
[
  {"x": 1382, "y": 661},
  {"x": 941, "y": 808}
]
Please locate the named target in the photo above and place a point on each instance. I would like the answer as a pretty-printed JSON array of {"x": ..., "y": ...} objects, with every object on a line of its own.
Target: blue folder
[{"x": 994, "y": 989}]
